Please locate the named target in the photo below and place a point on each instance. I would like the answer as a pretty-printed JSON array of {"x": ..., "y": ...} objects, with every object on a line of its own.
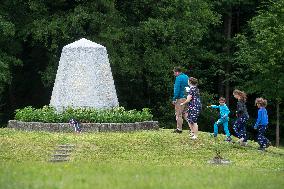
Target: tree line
[{"x": 226, "y": 44}]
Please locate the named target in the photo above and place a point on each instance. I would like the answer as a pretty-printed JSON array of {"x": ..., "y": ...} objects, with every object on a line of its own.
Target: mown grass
[{"x": 148, "y": 159}]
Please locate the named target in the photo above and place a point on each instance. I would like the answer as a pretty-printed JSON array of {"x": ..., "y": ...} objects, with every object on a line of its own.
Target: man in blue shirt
[{"x": 181, "y": 82}]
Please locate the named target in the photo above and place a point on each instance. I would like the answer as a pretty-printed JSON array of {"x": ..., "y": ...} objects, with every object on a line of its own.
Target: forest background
[{"x": 226, "y": 44}]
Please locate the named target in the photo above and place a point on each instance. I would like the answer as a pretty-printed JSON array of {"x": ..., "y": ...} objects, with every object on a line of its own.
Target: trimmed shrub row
[{"x": 48, "y": 114}]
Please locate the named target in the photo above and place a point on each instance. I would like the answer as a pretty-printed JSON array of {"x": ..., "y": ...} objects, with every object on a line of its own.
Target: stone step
[
  {"x": 58, "y": 160},
  {"x": 63, "y": 151},
  {"x": 61, "y": 155},
  {"x": 68, "y": 146}
]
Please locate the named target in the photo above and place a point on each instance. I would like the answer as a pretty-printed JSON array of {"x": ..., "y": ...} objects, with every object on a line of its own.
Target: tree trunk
[
  {"x": 238, "y": 20},
  {"x": 228, "y": 34},
  {"x": 227, "y": 84},
  {"x": 277, "y": 123},
  {"x": 12, "y": 98},
  {"x": 220, "y": 85}
]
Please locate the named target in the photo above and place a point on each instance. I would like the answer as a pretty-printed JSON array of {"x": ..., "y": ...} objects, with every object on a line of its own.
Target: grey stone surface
[
  {"x": 86, "y": 127},
  {"x": 104, "y": 127},
  {"x": 219, "y": 161},
  {"x": 62, "y": 153},
  {"x": 52, "y": 126},
  {"x": 114, "y": 127},
  {"x": 91, "y": 127},
  {"x": 84, "y": 78},
  {"x": 128, "y": 127}
]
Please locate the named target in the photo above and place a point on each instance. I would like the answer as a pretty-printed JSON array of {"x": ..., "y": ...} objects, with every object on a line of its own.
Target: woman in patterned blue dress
[{"x": 194, "y": 106}]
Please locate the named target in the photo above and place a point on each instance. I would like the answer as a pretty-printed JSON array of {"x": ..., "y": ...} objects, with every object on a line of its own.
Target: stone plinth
[{"x": 86, "y": 127}]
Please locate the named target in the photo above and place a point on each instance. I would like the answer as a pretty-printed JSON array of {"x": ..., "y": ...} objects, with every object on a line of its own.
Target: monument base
[{"x": 86, "y": 127}]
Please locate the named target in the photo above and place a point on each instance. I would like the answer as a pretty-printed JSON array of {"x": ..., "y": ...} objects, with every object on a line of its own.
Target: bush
[{"x": 85, "y": 115}]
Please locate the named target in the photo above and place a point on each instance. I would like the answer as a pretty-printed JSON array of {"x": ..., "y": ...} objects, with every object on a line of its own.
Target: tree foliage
[
  {"x": 145, "y": 39},
  {"x": 262, "y": 52},
  {"x": 7, "y": 53}
]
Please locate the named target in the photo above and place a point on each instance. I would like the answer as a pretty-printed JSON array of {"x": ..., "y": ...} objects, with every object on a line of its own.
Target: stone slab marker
[{"x": 84, "y": 78}]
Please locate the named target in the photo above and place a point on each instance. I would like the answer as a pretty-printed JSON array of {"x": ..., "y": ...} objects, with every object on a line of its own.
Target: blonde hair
[
  {"x": 261, "y": 101},
  {"x": 241, "y": 94}
]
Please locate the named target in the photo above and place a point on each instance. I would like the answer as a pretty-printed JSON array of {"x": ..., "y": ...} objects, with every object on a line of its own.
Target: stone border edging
[{"x": 86, "y": 127}]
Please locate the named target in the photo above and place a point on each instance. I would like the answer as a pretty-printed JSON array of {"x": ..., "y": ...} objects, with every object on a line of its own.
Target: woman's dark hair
[
  {"x": 193, "y": 81},
  {"x": 222, "y": 99},
  {"x": 177, "y": 69}
]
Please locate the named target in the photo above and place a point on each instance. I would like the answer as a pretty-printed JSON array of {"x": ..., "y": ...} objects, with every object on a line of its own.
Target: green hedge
[{"x": 48, "y": 114}]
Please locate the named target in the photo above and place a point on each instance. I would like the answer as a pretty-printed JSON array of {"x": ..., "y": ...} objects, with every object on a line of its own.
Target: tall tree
[
  {"x": 262, "y": 52},
  {"x": 9, "y": 52},
  {"x": 158, "y": 36},
  {"x": 234, "y": 17}
]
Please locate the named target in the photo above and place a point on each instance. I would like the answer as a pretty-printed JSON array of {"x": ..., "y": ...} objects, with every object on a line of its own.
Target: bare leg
[
  {"x": 191, "y": 128},
  {"x": 185, "y": 115},
  {"x": 195, "y": 126}
]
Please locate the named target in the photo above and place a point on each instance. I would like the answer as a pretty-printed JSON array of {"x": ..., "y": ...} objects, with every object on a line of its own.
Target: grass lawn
[{"x": 148, "y": 159}]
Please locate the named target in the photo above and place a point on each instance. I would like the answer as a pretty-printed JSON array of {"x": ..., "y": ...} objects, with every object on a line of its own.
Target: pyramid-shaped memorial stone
[{"x": 84, "y": 78}]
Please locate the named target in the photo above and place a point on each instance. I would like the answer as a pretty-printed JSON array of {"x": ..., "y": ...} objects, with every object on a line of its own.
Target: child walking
[
  {"x": 261, "y": 123},
  {"x": 194, "y": 106},
  {"x": 224, "y": 118},
  {"x": 242, "y": 117}
]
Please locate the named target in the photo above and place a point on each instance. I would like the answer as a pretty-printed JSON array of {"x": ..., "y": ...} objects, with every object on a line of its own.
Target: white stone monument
[{"x": 84, "y": 78}]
